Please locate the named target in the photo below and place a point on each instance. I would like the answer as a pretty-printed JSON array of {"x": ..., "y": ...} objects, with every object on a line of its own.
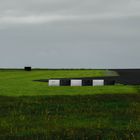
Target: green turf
[
  {"x": 32, "y": 110},
  {"x": 20, "y": 83}
]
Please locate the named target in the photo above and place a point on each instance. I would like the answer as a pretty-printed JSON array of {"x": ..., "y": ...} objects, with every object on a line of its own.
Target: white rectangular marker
[
  {"x": 98, "y": 82},
  {"x": 76, "y": 82},
  {"x": 54, "y": 82}
]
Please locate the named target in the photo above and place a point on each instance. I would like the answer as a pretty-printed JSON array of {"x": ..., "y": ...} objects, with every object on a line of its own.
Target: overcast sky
[{"x": 70, "y": 33}]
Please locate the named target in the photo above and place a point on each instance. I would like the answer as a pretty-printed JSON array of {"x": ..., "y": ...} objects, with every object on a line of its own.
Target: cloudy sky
[{"x": 70, "y": 33}]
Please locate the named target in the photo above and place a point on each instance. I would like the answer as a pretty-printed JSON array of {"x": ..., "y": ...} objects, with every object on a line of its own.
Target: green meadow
[{"x": 33, "y": 110}]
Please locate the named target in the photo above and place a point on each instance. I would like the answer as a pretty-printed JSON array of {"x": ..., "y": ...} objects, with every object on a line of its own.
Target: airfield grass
[
  {"x": 32, "y": 110},
  {"x": 20, "y": 83}
]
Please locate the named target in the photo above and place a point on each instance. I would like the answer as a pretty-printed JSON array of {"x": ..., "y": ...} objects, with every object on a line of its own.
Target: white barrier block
[
  {"x": 98, "y": 82},
  {"x": 76, "y": 82},
  {"x": 54, "y": 82}
]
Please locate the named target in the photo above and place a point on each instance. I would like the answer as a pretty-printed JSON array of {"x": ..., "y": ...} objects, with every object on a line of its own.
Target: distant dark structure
[
  {"x": 87, "y": 82},
  {"x": 27, "y": 68},
  {"x": 109, "y": 82},
  {"x": 65, "y": 82}
]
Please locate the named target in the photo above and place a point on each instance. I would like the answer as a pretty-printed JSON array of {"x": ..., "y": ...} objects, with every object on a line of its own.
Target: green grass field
[{"x": 32, "y": 110}]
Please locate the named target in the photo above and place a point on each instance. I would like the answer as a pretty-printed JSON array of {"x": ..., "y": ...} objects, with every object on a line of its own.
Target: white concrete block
[
  {"x": 54, "y": 82},
  {"x": 98, "y": 82},
  {"x": 76, "y": 82}
]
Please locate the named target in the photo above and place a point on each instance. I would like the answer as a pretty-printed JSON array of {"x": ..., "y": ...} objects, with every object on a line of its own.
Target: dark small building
[
  {"x": 27, "y": 68},
  {"x": 87, "y": 82},
  {"x": 65, "y": 82},
  {"x": 109, "y": 82}
]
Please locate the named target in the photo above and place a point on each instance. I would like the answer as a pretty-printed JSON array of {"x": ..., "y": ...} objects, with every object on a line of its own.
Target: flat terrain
[
  {"x": 20, "y": 83},
  {"x": 32, "y": 110}
]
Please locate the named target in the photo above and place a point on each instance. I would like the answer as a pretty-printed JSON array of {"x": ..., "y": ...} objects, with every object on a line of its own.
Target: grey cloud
[
  {"x": 68, "y": 7},
  {"x": 76, "y": 33}
]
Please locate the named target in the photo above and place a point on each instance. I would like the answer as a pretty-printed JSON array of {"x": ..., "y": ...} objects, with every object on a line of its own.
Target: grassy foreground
[{"x": 33, "y": 111}]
